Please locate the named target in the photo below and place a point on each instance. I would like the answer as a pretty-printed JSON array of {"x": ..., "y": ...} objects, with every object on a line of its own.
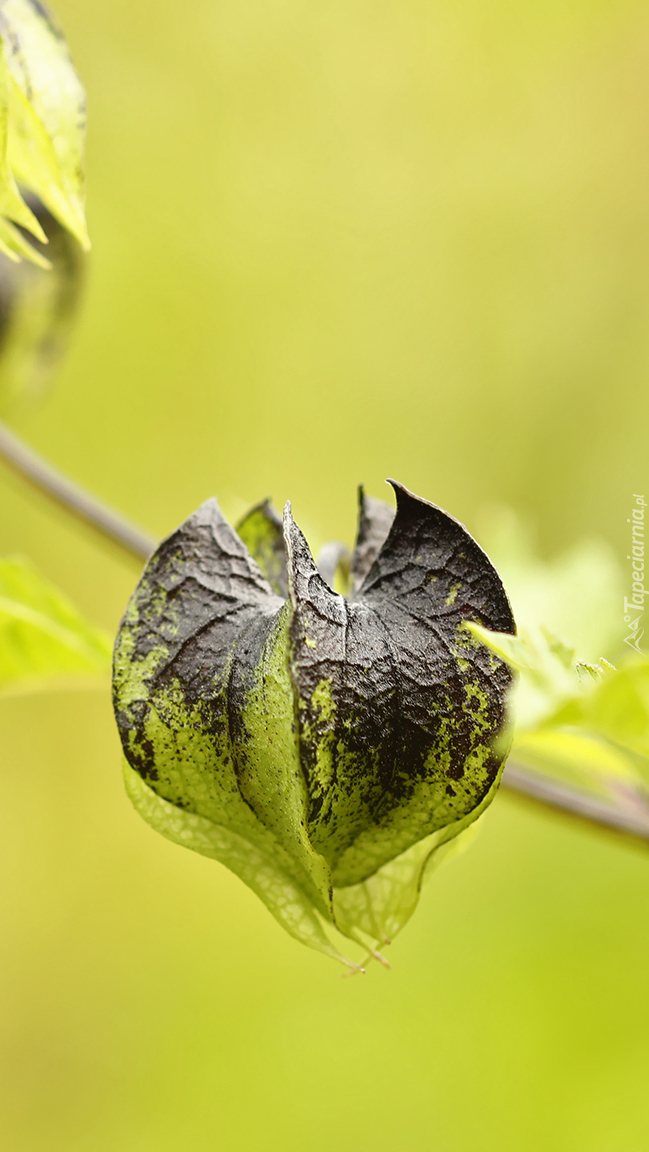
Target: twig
[
  {"x": 73, "y": 498},
  {"x": 630, "y": 816}
]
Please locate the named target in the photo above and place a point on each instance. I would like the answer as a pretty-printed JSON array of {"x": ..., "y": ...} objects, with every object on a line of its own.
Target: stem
[
  {"x": 630, "y": 816},
  {"x": 111, "y": 525}
]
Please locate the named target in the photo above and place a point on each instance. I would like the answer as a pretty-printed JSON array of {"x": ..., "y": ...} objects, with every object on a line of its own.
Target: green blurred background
[{"x": 333, "y": 242}]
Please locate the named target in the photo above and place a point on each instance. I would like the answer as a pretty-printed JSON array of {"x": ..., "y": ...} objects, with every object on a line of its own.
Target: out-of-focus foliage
[
  {"x": 575, "y": 594},
  {"x": 37, "y": 310},
  {"x": 585, "y": 722},
  {"x": 44, "y": 641},
  {"x": 576, "y": 715},
  {"x": 42, "y": 129}
]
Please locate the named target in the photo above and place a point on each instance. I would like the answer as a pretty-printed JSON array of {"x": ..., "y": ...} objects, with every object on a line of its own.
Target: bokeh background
[{"x": 333, "y": 242}]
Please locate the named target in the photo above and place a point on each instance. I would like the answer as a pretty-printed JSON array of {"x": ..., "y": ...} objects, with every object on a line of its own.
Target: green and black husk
[{"x": 338, "y": 742}]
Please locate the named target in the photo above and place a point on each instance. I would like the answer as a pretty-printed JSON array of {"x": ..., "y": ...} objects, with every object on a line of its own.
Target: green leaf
[
  {"x": 42, "y": 127},
  {"x": 584, "y": 723},
  {"x": 11, "y": 204},
  {"x": 331, "y": 736},
  {"x": 14, "y": 245},
  {"x": 577, "y": 756},
  {"x": 616, "y": 708},
  {"x": 43, "y": 638},
  {"x": 574, "y": 595},
  {"x": 549, "y": 674}
]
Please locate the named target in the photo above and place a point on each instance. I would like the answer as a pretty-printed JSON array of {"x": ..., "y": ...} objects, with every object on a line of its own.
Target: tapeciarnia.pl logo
[{"x": 634, "y": 607}]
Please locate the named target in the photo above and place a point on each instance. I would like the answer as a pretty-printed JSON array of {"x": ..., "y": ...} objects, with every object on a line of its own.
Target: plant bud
[{"x": 323, "y": 748}]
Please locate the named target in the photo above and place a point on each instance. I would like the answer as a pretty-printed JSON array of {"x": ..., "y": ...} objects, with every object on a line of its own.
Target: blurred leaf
[
  {"x": 618, "y": 708},
  {"x": 549, "y": 674},
  {"x": 11, "y": 204},
  {"x": 42, "y": 636},
  {"x": 576, "y": 756},
  {"x": 37, "y": 310},
  {"x": 42, "y": 127},
  {"x": 574, "y": 595},
  {"x": 585, "y": 723}
]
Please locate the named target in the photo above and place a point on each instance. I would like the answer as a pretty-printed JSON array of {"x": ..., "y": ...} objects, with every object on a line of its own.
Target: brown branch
[
  {"x": 74, "y": 499},
  {"x": 630, "y": 816}
]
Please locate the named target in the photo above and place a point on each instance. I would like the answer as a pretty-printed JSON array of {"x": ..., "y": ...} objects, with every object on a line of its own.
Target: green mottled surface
[{"x": 226, "y": 712}]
